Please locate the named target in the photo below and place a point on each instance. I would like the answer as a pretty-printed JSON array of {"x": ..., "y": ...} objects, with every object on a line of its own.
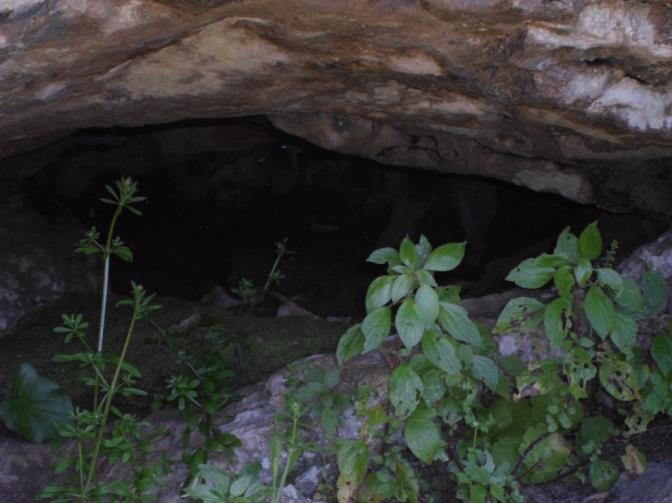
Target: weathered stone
[
  {"x": 38, "y": 263},
  {"x": 25, "y": 469},
  {"x": 570, "y": 97}
]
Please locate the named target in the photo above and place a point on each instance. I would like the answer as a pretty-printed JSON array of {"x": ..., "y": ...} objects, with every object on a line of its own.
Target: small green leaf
[
  {"x": 486, "y": 370},
  {"x": 379, "y": 292},
  {"x": 603, "y": 475},
  {"x": 352, "y": 458},
  {"x": 405, "y": 388},
  {"x": 554, "y": 323},
  {"x": 385, "y": 255},
  {"x": 440, "y": 351},
  {"x": 634, "y": 460},
  {"x": 568, "y": 246},
  {"x": 446, "y": 257},
  {"x": 631, "y": 300},
  {"x": 531, "y": 275},
  {"x": 564, "y": 281},
  {"x": 610, "y": 279},
  {"x": 618, "y": 378},
  {"x": 661, "y": 351},
  {"x": 422, "y": 435},
  {"x": 408, "y": 253},
  {"x": 600, "y": 311},
  {"x": 408, "y": 324},
  {"x": 401, "y": 286},
  {"x": 427, "y": 305},
  {"x": 655, "y": 293},
  {"x": 456, "y": 322},
  {"x": 376, "y": 326},
  {"x": 623, "y": 333},
  {"x": 350, "y": 344},
  {"x": 590, "y": 242},
  {"x": 583, "y": 271},
  {"x": 521, "y": 314}
]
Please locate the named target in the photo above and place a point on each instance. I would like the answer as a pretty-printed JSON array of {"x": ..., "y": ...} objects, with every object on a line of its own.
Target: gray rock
[{"x": 38, "y": 263}]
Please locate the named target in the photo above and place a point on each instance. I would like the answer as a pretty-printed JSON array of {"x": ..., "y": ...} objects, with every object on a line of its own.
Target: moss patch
[{"x": 253, "y": 347}]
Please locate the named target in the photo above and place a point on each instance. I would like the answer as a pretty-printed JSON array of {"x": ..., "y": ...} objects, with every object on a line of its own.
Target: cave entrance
[{"x": 222, "y": 192}]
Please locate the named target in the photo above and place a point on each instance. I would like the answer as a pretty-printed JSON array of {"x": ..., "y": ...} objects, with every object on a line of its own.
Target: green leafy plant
[
  {"x": 441, "y": 362},
  {"x": 109, "y": 375},
  {"x": 591, "y": 320},
  {"x": 213, "y": 484},
  {"x": 35, "y": 408},
  {"x": 200, "y": 391},
  {"x": 89, "y": 430},
  {"x": 250, "y": 295},
  {"x": 287, "y": 439}
]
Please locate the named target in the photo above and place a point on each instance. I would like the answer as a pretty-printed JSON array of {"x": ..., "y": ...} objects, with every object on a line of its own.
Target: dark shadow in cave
[{"x": 221, "y": 192}]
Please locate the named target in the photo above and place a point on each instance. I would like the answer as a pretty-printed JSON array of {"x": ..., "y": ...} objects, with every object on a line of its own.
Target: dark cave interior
[{"x": 222, "y": 192}]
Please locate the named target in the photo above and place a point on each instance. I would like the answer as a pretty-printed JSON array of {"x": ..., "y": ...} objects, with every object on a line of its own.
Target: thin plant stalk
[
  {"x": 108, "y": 399},
  {"x": 106, "y": 278}
]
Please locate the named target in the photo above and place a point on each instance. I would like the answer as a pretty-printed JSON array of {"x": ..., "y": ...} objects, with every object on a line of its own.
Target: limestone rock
[{"x": 570, "y": 97}]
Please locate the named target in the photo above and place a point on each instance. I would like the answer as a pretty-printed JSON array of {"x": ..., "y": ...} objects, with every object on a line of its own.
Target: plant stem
[
  {"x": 106, "y": 277},
  {"x": 108, "y": 401},
  {"x": 277, "y": 494}
]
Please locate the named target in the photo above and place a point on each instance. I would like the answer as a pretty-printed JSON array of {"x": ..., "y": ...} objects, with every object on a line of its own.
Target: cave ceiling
[{"x": 571, "y": 97}]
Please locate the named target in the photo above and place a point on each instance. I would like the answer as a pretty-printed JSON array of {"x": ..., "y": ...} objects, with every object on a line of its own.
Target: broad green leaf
[
  {"x": 623, "y": 333},
  {"x": 408, "y": 253},
  {"x": 568, "y": 246},
  {"x": 427, "y": 305},
  {"x": 590, "y": 242},
  {"x": 376, "y": 326},
  {"x": 422, "y": 435},
  {"x": 425, "y": 278},
  {"x": 655, "y": 293},
  {"x": 405, "y": 388},
  {"x": 352, "y": 458},
  {"x": 583, "y": 271},
  {"x": 379, "y": 292},
  {"x": 564, "y": 281},
  {"x": 424, "y": 248},
  {"x": 578, "y": 366},
  {"x": 554, "y": 323},
  {"x": 554, "y": 261},
  {"x": 661, "y": 350},
  {"x": 446, "y": 257},
  {"x": 486, "y": 370},
  {"x": 401, "y": 286},
  {"x": 631, "y": 300},
  {"x": 38, "y": 404},
  {"x": 618, "y": 378},
  {"x": 595, "y": 431},
  {"x": 531, "y": 275},
  {"x": 603, "y": 475},
  {"x": 350, "y": 344},
  {"x": 408, "y": 324},
  {"x": 385, "y": 255},
  {"x": 456, "y": 322},
  {"x": 449, "y": 294},
  {"x": 545, "y": 458},
  {"x": 434, "y": 386},
  {"x": 600, "y": 311},
  {"x": 440, "y": 351},
  {"x": 521, "y": 314},
  {"x": 610, "y": 279}
]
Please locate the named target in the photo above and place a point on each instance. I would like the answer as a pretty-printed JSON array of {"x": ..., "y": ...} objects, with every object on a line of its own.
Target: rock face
[
  {"x": 567, "y": 96},
  {"x": 37, "y": 262}
]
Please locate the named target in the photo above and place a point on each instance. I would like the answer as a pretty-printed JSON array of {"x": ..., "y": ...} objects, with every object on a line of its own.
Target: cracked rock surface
[{"x": 565, "y": 96}]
